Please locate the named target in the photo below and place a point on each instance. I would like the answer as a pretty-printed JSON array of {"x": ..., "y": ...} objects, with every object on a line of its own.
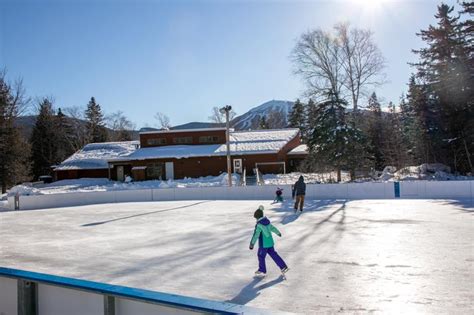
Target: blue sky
[{"x": 184, "y": 57}]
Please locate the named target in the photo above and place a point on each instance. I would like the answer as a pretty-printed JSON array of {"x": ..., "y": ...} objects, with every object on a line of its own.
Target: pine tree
[
  {"x": 334, "y": 141},
  {"x": 14, "y": 167},
  {"x": 95, "y": 122},
  {"x": 375, "y": 131},
  {"x": 65, "y": 136},
  {"x": 44, "y": 140},
  {"x": 296, "y": 118},
  {"x": 262, "y": 123},
  {"x": 394, "y": 145},
  {"x": 423, "y": 122},
  {"x": 446, "y": 70},
  {"x": 310, "y": 117}
]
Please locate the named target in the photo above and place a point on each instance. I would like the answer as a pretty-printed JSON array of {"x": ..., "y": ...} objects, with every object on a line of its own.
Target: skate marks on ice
[
  {"x": 142, "y": 214},
  {"x": 252, "y": 290},
  {"x": 309, "y": 206}
]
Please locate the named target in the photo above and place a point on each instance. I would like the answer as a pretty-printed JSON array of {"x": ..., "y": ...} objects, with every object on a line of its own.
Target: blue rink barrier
[{"x": 109, "y": 293}]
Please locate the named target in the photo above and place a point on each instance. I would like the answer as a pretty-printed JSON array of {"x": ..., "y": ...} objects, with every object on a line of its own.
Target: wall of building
[
  {"x": 168, "y": 136},
  {"x": 74, "y": 174}
]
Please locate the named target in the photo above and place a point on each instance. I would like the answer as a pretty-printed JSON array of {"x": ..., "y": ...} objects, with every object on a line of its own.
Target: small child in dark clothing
[
  {"x": 278, "y": 195},
  {"x": 263, "y": 233}
]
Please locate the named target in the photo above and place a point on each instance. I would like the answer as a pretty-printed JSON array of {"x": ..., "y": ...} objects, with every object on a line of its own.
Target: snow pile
[
  {"x": 427, "y": 171},
  {"x": 95, "y": 155},
  {"x": 309, "y": 178},
  {"x": 103, "y": 184}
]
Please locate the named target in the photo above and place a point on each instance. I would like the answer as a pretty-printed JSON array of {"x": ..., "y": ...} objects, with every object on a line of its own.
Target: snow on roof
[
  {"x": 96, "y": 155},
  {"x": 241, "y": 142},
  {"x": 301, "y": 149}
]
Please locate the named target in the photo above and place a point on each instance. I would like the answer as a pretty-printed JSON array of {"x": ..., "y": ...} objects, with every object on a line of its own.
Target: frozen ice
[{"x": 389, "y": 256}]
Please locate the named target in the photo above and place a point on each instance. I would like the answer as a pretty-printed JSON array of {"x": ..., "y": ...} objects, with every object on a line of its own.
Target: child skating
[
  {"x": 278, "y": 195},
  {"x": 263, "y": 233}
]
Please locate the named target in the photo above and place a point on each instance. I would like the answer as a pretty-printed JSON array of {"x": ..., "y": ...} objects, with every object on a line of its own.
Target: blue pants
[{"x": 262, "y": 253}]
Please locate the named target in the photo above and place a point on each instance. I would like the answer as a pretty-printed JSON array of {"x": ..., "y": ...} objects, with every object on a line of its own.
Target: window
[
  {"x": 209, "y": 139},
  {"x": 183, "y": 140},
  {"x": 156, "y": 141},
  {"x": 154, "y": 171}
]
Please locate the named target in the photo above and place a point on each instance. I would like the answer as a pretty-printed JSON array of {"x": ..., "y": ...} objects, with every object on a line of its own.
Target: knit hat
[{"x": 258, "y": 213}]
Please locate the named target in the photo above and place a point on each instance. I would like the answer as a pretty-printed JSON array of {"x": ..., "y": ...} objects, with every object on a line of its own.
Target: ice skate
[{"x": 259, "y": 274}]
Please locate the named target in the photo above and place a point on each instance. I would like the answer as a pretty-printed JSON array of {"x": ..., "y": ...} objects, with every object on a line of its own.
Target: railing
[
  {"x": 259, "y": 177},
  {"x": 30, "y": 293},
  {"x": 385, "y": 190},
  {"x": 243, "y": 178}
]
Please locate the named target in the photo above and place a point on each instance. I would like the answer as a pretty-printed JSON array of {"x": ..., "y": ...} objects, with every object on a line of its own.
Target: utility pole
[{"x": 226, "y": 109}]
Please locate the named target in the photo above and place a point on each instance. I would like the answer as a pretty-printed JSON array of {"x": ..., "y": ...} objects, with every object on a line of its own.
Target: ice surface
[{"x": 388, "y": 256}]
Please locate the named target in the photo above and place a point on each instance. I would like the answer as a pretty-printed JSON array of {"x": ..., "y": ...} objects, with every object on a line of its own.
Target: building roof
[
  {"x": 183, "y": 130},
  {"x": 241, "y": 143},
  {"x": 302, "y": 149},
  {"x": 96, "y": 155}
]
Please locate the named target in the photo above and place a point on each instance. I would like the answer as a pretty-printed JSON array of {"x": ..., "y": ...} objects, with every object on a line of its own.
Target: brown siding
[
  {"x": 75, "y": 174},
  {"x": 170, "y": 135}
]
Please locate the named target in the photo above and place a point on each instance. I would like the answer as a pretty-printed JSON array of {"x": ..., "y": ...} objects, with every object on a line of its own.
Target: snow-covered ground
[
  {"x": 388, "y": 256},
  {"x": 103, "y": 184},
  {"x": 309, "y": 178}
]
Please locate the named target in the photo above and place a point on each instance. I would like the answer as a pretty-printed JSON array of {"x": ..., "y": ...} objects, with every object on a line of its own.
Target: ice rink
[{"x": 390, "y": 256}]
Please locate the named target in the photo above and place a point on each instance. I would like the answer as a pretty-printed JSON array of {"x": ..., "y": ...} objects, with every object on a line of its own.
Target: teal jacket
[{"x": 263, "y": 233}]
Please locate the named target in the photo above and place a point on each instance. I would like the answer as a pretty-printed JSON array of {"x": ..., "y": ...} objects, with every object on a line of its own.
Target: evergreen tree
[
  {"x": 375, "y": 132},
  {"x": 394, "y": 145},
  {"x": 296, "y": 118},
  {"x": 310, "y": 117},
  {"x": 95, "y": 122},
  {"x": 446, "y": 70},
  {"x": 65, "y": 136},
  {"x": 14, "y": 166},
  {"x": 423, "y": 132},
  {"x": 262, "y": 123},
  {"x": 44, "y": 140},
  {"x": 334, "y": 141}
]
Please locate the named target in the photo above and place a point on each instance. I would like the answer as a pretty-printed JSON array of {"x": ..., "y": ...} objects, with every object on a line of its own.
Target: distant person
[
  {"x": 263, "y": 233},
  {"x": 278, "y": 195},
  {"x": 298, "y": 193}
]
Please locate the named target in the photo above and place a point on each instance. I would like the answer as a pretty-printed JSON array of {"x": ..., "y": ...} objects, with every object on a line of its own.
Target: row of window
[{"x": 183, "y": 140}]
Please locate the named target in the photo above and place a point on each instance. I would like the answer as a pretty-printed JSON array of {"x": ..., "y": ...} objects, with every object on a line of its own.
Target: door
[
  {"x": 169, "y": 170},
  {"x": 120, "y": 174},
  {"x": 238, "y": 166}
]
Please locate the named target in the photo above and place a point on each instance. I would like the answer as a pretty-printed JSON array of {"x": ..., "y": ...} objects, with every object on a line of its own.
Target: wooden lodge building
[{"x": 175, "y": 154}]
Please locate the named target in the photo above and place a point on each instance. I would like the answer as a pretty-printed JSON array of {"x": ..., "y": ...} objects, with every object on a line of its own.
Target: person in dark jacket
[
  {"x": 263, "y": 233},
  {"x": 298, "y": 193}
]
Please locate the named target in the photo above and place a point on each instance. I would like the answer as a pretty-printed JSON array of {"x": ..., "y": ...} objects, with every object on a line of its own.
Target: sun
[{"x": 370, "y": 5}]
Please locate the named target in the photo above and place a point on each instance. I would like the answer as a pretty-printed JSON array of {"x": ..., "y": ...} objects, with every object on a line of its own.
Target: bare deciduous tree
[
  {"x": 163, "y": 120},
  {"x": 14, "y": 149},
  {"x": 218, "y": 117},
  {"x": 362, "y": 61},
  {"x": 120, "y": 125},
  {"x": 345, "y": 62},
  {"x": 78, "y": 126},
  {"x": 276, "y": 119},
  {"x": 317, "y": 58}
]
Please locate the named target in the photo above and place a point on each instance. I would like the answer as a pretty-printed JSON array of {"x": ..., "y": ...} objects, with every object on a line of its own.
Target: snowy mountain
[{"x": 250, "y": 119}]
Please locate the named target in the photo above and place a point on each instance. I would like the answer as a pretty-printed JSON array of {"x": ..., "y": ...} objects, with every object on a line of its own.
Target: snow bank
[
  {"x": 427, "y": 171},
  {"x": 309, "y": 178},
  {"x": 103, "y": 184}
]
